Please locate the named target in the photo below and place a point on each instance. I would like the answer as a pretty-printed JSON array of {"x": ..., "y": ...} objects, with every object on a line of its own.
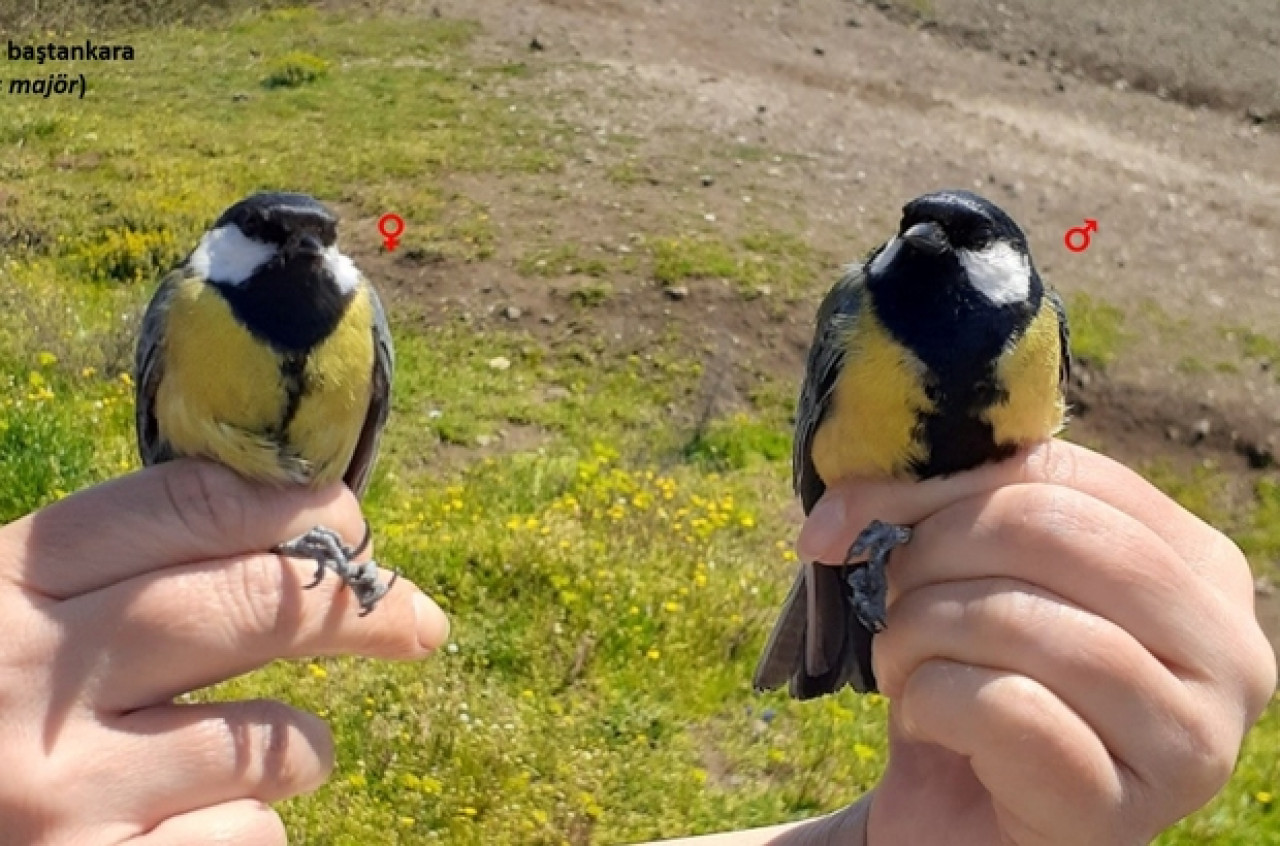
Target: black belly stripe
[
  {"x": 293, "y": 371},
  {"x": 955, "y": 435}
]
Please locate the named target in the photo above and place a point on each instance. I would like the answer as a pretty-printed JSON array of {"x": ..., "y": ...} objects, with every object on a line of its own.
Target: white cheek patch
[
  {"x": 999, "y": 272},
  {"x": 343, "y": 269},
  {"x": 885, "y": 257},
  {"x": 226, "y": 255}
]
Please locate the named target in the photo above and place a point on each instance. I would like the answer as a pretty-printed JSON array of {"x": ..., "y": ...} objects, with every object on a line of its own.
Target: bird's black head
[
  {"x": 955, "y": 284},
  {"x": 955, "y": 245},
  {"x": 274, "y": 257},
  {"x": 959, "y": 220},
  {"x": 289, "y": 222}
]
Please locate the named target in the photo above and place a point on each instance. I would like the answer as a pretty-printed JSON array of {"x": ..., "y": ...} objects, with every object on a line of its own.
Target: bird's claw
[
  {"x": 325, "y": 547},
  {"x": 867, "y": 583}
]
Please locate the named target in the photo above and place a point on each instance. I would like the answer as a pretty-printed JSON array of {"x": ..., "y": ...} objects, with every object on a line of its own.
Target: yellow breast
[
  {"x": 1034, "y": 408},
  {"x": 339, "y": 379},
  {"x": 222, "y": 395},
  {"x": 870, "y": 427}
]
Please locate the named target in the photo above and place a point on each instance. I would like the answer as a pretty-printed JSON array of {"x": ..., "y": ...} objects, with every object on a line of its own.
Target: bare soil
[{"x": 825, "y": 116}]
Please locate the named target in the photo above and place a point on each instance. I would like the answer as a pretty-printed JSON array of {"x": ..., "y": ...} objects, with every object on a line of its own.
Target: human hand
[
  {"x": 1071, "y": 657},
  {"x": 127, "y": 594}
]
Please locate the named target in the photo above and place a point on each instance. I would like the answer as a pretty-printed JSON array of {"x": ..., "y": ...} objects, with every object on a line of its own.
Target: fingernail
[
  {"x": 432, "y": 624},
  {"x": 823, "y": 530}
]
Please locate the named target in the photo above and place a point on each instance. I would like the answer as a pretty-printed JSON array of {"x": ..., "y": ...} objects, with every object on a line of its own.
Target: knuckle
[
  {"x": 208, "y": 499},
  {"x": 1204, "y": 756},
  {"x": 1259, "y": 675}
]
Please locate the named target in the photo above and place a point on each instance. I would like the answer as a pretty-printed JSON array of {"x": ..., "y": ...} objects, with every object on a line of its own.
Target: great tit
[
  {"x": 941, "y": 351},
  {"x": 268, "y": 351}
]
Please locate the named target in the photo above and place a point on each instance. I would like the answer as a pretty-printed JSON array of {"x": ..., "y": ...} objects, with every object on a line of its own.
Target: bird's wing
[
  {"x": 148, "y": 368},
  {"x": 384, "y": 365},
  {"x": 816, "y": 646},
  {"x": 836, "y": 316},
  {"x": 1064, "y": 337}
]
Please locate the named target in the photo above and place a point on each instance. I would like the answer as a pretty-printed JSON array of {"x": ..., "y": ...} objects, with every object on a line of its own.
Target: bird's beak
[
  {"x": 927, "y": 237},
  {"x": 307, "y": 245}
]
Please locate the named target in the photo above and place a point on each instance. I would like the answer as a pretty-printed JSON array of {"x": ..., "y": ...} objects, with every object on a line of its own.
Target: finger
[
  {"x": 846, "y": 509},
  {"x": 238, "y": 614},
  {"x": 243, "y": 822},
  {"x": 1135, "y": 706},
  {"x": 1091, "y": 555},
  {"x": 179, "y": 758},
  {"x": 1044, "y": 768},
  {"x": 171, "y": 514}
]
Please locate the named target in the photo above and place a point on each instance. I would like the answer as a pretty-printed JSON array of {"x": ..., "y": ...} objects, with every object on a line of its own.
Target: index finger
[
  {"x": 169, "y": 515},
  {"x": 845, "y": 509}
]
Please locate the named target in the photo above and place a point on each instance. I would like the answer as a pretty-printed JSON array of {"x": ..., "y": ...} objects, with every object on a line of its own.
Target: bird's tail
[{"x": 817, "y": 645}]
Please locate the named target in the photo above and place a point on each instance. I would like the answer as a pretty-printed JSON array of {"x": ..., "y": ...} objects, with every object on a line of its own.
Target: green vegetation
[
  {"x": 1097, "y": 329},
  {"x": 1256, "y": 346},
  {"x": 756, "y": 263},
  {"x": 294, "y": 69},
  {"x": 738, "y": 443},
  {"x": 562, "y": 260},
  {"x": 609, "y": 588}
]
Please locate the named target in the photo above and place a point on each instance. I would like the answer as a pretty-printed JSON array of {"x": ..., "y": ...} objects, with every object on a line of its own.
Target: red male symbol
[{"x": 1077, "y": 237}]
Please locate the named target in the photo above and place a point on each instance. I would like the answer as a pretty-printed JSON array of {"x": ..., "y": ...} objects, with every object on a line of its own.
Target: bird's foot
[
  {"x": 867, "y": 582},
  {"x": 325, "y": 547}
]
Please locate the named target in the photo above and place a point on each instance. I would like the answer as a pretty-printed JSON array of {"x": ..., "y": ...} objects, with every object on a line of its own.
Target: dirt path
[{"x": 865, "y": 116}]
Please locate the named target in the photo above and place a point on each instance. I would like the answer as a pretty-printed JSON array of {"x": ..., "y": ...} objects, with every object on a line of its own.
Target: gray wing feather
[
  {"x": 816, "y": 646},
  {"x": 836, "y": 315},
  {"x": 384, "y": 364},
  {"x": 148, "y": 368}
]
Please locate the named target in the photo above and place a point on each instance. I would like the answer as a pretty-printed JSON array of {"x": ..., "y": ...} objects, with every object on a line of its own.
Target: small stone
[
  {"x": 549, "y": 318},
  {"x": 535, "y": 45},
  {"x": 708, "y": 180},
  {"x": 484, "y": 440},
  {"x": 512, "y": 313},
  {"x": 500, "y": 363},
  {"x": 239, "y": 97},
  {"x": 852, "y": 23},
  {"x": 676, "y": 292},
  {"x": 818, "y": 51},
  {"x": 1202, "y": 428}
]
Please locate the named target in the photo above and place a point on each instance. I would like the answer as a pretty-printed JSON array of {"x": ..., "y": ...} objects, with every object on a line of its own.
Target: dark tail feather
[{"x": 817, "y": 645}]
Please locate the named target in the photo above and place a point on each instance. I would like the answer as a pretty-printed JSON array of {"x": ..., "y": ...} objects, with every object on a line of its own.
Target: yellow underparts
[
  {"x": 222, "y": 396},
  {"x": 1029, "y": 371},
  {"x": 870, "y": 427}
]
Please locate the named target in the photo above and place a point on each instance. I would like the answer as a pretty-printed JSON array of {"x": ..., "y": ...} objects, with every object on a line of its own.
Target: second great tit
[{"x": 942, "y": 351}]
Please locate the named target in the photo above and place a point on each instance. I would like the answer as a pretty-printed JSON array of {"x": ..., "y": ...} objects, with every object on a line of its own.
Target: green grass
[
  {"x": 610, "y": 587},
  {"x": 1256, "y": 346},
  {"x": 757, "y": 263},
  {"x": 295, "y": 69},
  {"x": 562, "y": 260},
  {"x": 1097, "y": 329}
]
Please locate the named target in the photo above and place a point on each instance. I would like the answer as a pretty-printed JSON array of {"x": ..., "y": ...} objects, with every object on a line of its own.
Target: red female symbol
[
  {"x": 392, "y": 227},
  {"x": 1077, "y": 238}
]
